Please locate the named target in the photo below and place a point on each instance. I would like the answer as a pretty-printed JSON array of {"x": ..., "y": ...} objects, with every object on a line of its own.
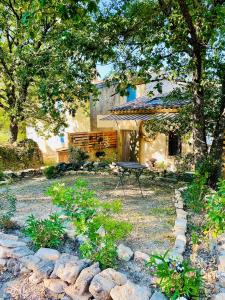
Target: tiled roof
[
  {"x": 140, "y": 117},
  {"x": 149, "y": 103}
]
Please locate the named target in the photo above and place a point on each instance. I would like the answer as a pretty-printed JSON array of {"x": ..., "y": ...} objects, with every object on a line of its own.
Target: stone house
[{"x": 115, "y": 124}]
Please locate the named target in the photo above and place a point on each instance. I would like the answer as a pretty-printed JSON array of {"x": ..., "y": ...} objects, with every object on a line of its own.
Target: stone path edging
[{"x": 68, "y": 275}]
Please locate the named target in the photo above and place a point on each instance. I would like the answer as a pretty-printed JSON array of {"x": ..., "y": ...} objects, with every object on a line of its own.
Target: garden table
[{"x": 127, "y": 168}]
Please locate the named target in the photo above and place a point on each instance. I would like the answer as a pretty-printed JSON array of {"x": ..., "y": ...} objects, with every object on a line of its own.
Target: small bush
[
  {"x": 24, "y": 155},
  {"x": 77, "y": 155},
  {"x": 7, "y": 209},
  {"x": 2, "y": 177},
  {"x": 215, "y": 224},
  {"x": 92, "y": 219},
  {"x": 176, "y": 279},
  {"x": 51, "y": 172},
  {"x": 195, "y": 193},
  {"x": 45, "y": 232}
]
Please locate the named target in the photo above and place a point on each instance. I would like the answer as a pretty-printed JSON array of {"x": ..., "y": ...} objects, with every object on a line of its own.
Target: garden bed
[{"x": 152, "y": 217}]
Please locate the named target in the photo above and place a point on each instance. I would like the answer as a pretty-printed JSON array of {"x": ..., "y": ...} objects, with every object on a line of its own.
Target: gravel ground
[{"x": 152, "y": 216}]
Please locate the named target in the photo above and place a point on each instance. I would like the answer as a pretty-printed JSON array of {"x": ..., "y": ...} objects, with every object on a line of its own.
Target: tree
[
  {"x": 46, "y": 66},
  {"x": 179, "y": 40}
]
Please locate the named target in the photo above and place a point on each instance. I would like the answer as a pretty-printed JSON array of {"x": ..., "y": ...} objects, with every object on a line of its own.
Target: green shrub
[
  {"x": 195, "y": 193},
  {"x": 215, "y": 224},
  {"x": 24, "y": 155},
  {"x": 51, "y": 172},
  {"x": 45, "y": 232},
  {"x": 176, "y": 279},
  {"x": 7, "y": 209},
  {"x": 92, "y": 219},
  {"x": 77, "y": 155},
  {"x": 2, "y": 177}
]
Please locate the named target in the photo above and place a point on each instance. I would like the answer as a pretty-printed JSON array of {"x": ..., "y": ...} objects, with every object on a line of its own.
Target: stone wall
[
  {"x": 67, "y": 275},
  {"x": 70, "y": 277}
]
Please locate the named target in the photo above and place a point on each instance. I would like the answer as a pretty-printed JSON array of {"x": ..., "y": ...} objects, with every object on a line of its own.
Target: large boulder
[
  {"x": 48, "y": 254},
  {"x": 80, "y": 288},
  {"x": 68, "y": 267},
  {"x": 103, "y": 283},
  {"x": 44, "y": 269},
  {"x": 130, "y": 291},
  {"x": 124, "y": 252}
]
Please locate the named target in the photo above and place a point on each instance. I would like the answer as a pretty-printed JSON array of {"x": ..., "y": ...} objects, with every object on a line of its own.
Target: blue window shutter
[
  {"x": 131, "y": 94},
  {"x": 62, "y": 139}
]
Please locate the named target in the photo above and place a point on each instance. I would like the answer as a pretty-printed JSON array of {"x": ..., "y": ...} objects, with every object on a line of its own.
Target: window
[
  {"x": 174, "y": 145},
  {"x": 131, "y": 94}
]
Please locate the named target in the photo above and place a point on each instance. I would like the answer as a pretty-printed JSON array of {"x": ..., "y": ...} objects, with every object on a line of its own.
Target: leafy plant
[
  {"x": 216, "y": 210},
  {"x": 77, "y": 155},
  {"x": 7, "y": 209},
  {"x": 51, "y": 172},
  {"x": 196, "y": 191},
  {"x": 92, "y": 219},
  {"x": 176, "y": 279},
  {"x": 45, "y": 232},
  {"x": 1, "y": 176}
]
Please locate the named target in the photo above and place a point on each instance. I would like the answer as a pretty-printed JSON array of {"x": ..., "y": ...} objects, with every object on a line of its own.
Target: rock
[
  {"x": 181, "y": 223},
  {"x": 174, "y": 254},
  {"x": 44, "y": 269},
  {"x": 140, "y": 256},
  {"x": 181, "y": 213},
  {"x": 4, "y": 236},
  {"x": 24, "y": 270},
  {"x": 3, "y": 262},
  {"x": 130, "y": 291},
  {"x": 124, "y": 253},
  {"x": 70, "y": 292},
  {"x": 220, "y": 296},
  {"x": 158, "y": 296},
  {"x": 68, "y": 267},
  {"x": 13, "y": 265},
  {"x": 31, "y": 262},
  {"x": 84, "y": 279},
  {"x": 11, "y": 243},
  {"x": 221, "y": 265},
  {"x": 55, "y": 285},
  {"x": 47, "y": 254},
  {"x": 4, "y": 252},
  {"x": 19, "y": 252},
  {"x": 103, "y": 283},
  {"x": 35, "y": 279}
]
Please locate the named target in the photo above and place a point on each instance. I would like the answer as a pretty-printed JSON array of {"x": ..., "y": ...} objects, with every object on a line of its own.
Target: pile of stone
[
  {"x": 220, "y": 287},
  {"x": 68, "y": 276},
  {"x": 17, "y": 175},
  {"x": 180, "y": 226}
]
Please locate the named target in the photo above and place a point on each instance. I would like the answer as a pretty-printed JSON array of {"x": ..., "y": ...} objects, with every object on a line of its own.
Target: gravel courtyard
[{"x": 152, "y": 216}]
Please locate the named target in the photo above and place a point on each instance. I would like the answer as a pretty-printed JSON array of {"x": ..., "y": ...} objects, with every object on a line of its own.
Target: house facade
[{"x": 116, "y": 125}]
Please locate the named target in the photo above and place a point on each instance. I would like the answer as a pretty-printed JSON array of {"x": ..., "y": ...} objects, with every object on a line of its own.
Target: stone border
[
  {"x": 27, "y": 173},
  {"x": 220, "y": 274},
  {"x": 67, "y": 275},
  {"x": 180, "y": 227}
]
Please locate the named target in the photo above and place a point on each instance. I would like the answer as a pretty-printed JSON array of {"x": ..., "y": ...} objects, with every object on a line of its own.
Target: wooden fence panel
[{"x": 96, "y": 140}]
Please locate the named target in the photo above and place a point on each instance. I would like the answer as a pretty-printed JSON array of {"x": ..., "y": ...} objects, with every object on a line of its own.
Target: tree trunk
[
  {"x": 13, "y": 130},
  {"x": 200, "y": 144},
  {"x": 216, "y": 150}
]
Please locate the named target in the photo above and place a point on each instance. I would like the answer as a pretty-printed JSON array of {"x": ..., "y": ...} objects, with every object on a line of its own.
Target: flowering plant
[{"x": 176, "y": 279}]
